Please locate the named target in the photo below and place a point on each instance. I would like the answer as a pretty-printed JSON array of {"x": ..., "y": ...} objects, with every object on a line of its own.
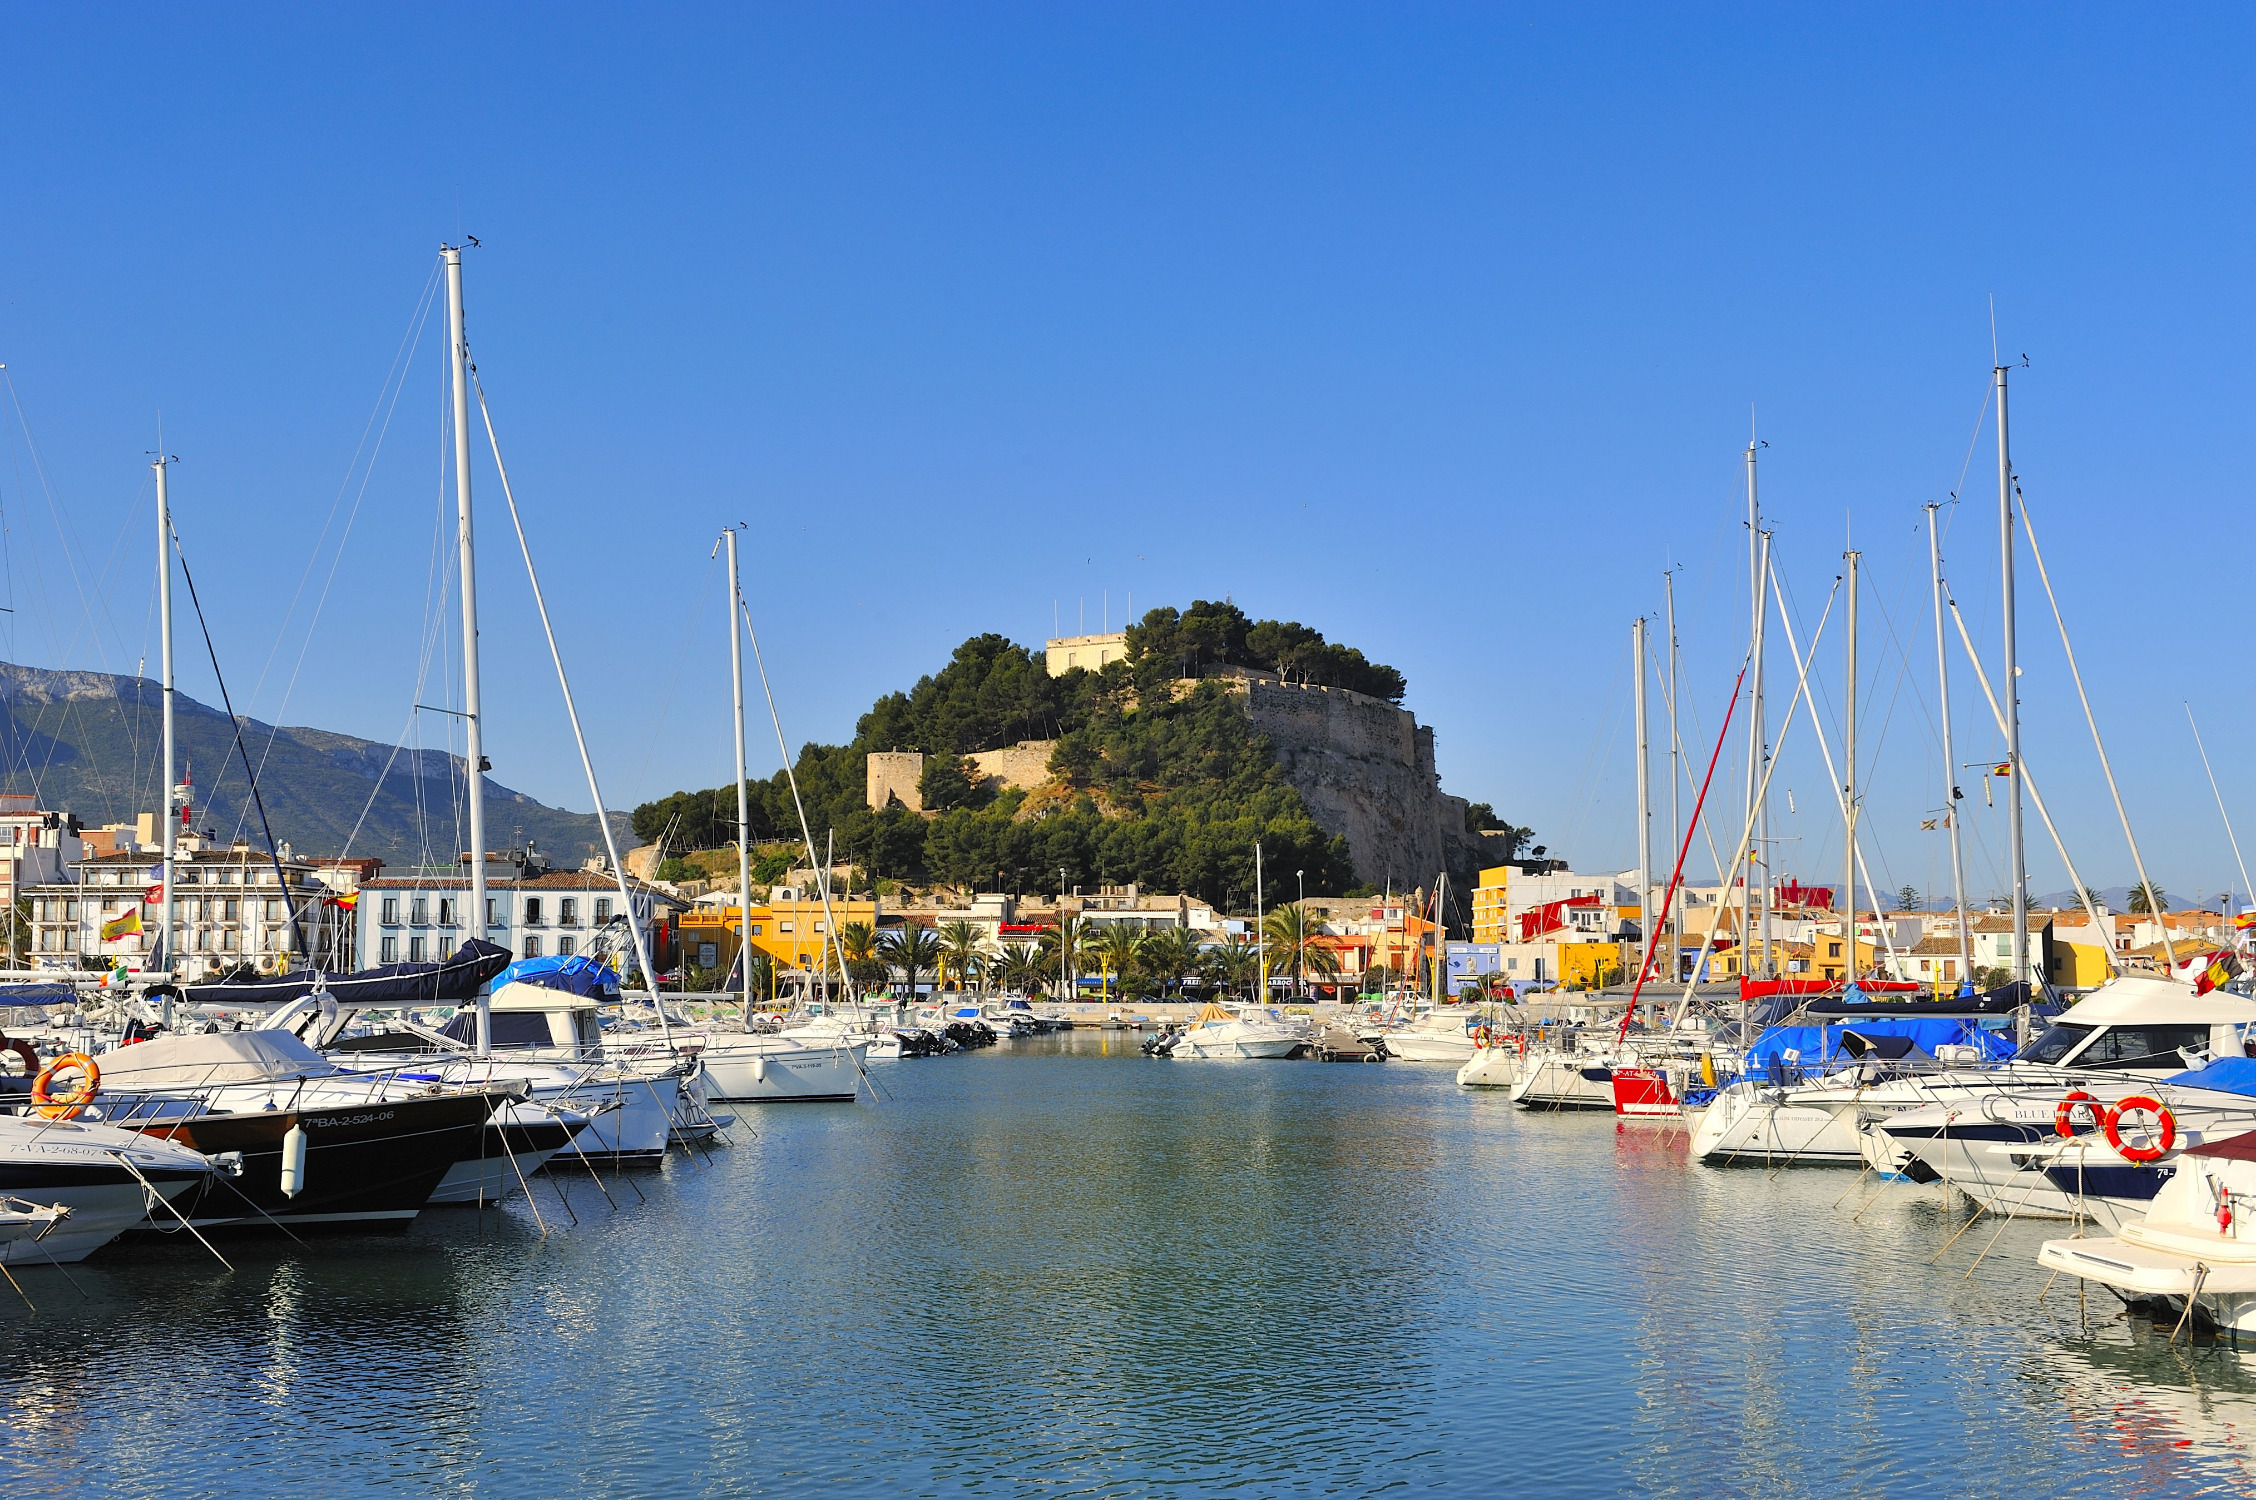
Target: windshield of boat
[{"x": 2120, "y": 1046}]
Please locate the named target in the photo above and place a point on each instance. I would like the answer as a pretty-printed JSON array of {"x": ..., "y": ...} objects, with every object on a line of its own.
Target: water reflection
[{"x": 1066, "y": 1269}]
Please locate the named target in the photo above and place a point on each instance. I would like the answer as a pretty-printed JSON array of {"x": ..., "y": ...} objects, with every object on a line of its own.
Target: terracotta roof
[{"x": 1941, "y": 945}]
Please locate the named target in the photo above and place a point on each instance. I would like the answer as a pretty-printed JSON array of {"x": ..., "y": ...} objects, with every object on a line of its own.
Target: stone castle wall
[{"x": 1365, "y": 769}]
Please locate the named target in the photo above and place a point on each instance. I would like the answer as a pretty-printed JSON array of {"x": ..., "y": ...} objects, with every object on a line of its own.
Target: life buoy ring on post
[
  {"x": 2146, "y": 1104},
  {"x": 24, "y": 1050},
  {"x": 67, "y": 1104},
  {"x": 2064, "y": 1118}
]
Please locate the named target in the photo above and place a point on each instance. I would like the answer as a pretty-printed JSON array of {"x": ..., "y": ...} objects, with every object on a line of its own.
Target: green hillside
[
  {"x": 89, "y": 743},
  {"x": 1169, "y": 792}
]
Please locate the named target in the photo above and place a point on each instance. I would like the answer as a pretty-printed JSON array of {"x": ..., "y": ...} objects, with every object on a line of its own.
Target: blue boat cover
[
  {"x": 578, "y": 976},
  {"x": 1820, "y": 1046},
  {"x": 37, "y": 994},
  {"x": 2234, "y": 1075}
]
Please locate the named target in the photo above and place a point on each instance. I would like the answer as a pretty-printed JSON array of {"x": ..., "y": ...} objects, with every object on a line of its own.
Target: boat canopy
[
  {"x": 448, "y": 982},
  {"x": 222, "y": 1057},
  {"x": 579, "y": 976},
  {"x": 1819, "y": 1046},
  {"x": 2229, "y": 1075}
]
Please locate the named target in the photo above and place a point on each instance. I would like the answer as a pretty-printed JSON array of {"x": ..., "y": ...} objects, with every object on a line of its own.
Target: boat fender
[
  {"x": 2147, "y": 1104},
  {"x": 760, "y": 1068},
  {"x": 2064, "y": 1117},
  {"x": 67, "y": 1104},
  {"x": 1707, "y": 1071},
  {"x": 294, "y": 1160},
  {"x": 24, "y": 1050}
]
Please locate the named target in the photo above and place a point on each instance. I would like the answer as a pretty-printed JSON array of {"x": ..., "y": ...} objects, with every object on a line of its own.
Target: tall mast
[
  {"x": 743, "y": 802},
  {"x": 2012, "y": 700},
  {"x": 474, "y": 750},
  {"x": 1760, "y": 866},
  {"x": 1950, "y": 759},
  {"x": 1260, "y": 933},
  {"x": 169, "y": 817},
  {"x": 1644, "y": 802},
  {"x": 1754, "y": 697},
  {"x": 1849, "y": 789},
  {"x": 1676, "y": 771}
]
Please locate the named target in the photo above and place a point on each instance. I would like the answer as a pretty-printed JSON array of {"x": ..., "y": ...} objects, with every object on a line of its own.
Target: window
[
  {"x": 567, "y": 912},
  {"x": 510, "y": 1028},
  {"x": 234, "y": 911},
  {"x": 274, "y": 943},
  {"x": 755, "y": 929},
  {"x": 565, "y": 947},
  {"x": 415, "y": 950},
  {"x": 2144, "y": 1047},
  {"x": 602, "y": 910},
  {"x": 2056, "y": 1043},
  {"x": 419, "y": 912},
  {"x": 532, "y": 947},
  {"x": 70, "y": 911},
  {"x": 391, "y": 911},
  {"x": 387, "y": 950},
  {"x": 446, "y": 911},
  {"x": 1832, "y": 950},
  {"x": 491, "y": 919},
  {"x": 532, "y": 911},
  {"x": 783, "y": 926},
  {"x": 227, "y": 940}
]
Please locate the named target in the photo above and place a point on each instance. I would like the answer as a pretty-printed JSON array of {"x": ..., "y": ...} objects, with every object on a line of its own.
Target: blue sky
[{"x": 1437, "y": 327}]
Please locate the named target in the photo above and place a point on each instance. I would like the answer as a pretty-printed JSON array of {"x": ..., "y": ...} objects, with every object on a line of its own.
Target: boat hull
[
  {"x": 762, "y": 1072},
  {"x": 78, "y": 1168},
  {"x": 370, "y": 1166},
  {"x": 1490, "y": 1068}
]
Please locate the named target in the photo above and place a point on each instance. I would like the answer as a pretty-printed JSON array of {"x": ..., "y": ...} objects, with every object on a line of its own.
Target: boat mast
[
  {"x": 1950, "y": 760},
  {"x": 1755, "y": 696},
  {"x": 1849, "y": 791},
  {"x": 1644, "y": 803},
  {"x": 1676, "y": 750},
  {"x": 1441, "y": 942},
  {"x": 743, "y": 801},
  {"x": 170, "y": 835},
  {"x": 2012, "y": 702},
  {"x": 474, "y": 760},
  {"x": 1260, "y": 934},
  {"x": 1761, "y": 860}
]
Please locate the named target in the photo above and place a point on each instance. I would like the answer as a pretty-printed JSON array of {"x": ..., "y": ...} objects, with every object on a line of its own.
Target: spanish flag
[
  {"x": 345, "y": 902},
  {"x": 2222, "y": 967},
  {"x": 2245, "y": 920},
  {"x": 122, "y": 926}
]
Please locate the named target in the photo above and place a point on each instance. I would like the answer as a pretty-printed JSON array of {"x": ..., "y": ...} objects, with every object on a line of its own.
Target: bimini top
[
  {"x": 2135, "y": 998},
  {"x": 170, "y": 1062}
]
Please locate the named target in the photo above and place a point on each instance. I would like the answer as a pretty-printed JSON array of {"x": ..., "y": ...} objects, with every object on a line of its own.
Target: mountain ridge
[{"x": 88, "y": 743}]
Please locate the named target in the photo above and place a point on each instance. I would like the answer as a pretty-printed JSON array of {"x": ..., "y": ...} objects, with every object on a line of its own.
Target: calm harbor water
[{"x": 1057, "y": 1268}]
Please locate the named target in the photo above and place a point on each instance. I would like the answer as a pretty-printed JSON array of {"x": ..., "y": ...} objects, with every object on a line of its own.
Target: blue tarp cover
[
  {"x": 2234, "y": 1075},
  {"x": 578, "y": 976},
  {"x": 1820, "y": 1046}
]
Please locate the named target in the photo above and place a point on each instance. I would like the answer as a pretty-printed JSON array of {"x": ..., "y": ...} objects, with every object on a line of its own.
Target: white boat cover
[{"x": 226, "y": 1057}]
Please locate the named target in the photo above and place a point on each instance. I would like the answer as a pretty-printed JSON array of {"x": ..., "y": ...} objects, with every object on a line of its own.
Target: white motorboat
[
  {"x": 2193, "y": 1246},
  {"x": 99, "y": 1181},
  {"x": 1442, "y": 1035},
  {"x": 1216, "y": 1033},
  {"x": 798, "y": 1065},
  {"x": 1779, "y": 1117},
  {"x": 2121, "y": 1041}
]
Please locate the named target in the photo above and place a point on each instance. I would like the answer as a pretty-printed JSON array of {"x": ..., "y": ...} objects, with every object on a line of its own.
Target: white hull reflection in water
[{"x": 1061, "y": 1268}]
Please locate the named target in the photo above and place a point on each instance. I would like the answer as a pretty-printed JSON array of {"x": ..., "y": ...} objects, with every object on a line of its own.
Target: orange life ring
[
  {"x": 67, "y": 1104},
  {"x": 2147, "y": 1104},
  {"x": 2064, "y": 1118},
  {"x": 24, "y": 1050},
  {"x": 1480, "y": 1036}
]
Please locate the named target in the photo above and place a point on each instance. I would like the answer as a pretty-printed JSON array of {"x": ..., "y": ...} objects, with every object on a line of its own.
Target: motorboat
[
  {"x": 321, "y": 1146},
  {"x": 1442, "y": 1035},
  {"x": 2132, "y": 1036},
  {"x": 1495, "y": 1063},
  {"x": 796, "y": 1065},
  {"x": 72, "y": 1186},
  {"x": 1216, "y": 1033},
  {"x": 2193, "y": 1251}
]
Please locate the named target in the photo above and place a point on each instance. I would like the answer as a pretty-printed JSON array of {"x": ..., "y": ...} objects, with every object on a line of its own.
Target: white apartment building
[
  {"x": 532, "y": 911},
  {"x": 230, "y": 905}
]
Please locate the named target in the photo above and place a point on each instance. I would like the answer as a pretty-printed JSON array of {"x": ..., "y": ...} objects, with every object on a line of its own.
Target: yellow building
[
  {"x": 1491, "y": 906},
  {"x": 793, "y": 933},
  {"x": 2077, "y": 965},
  {"x": 1586, "y": 966}
]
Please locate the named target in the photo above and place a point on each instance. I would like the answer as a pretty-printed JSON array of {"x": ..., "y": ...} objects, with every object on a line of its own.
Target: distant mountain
[{"x": 90, "y": 743}]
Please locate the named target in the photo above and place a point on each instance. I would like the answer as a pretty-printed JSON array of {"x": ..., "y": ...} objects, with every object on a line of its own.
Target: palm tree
[
  {"x": 858, "y": 940},
  {"x": 1168, "y": 955},
  {"x": 1018, "y": 967},
  {"x": 1293, "y": 934},
  {"x": 1234, "y": 963},
  {"x": 913, "y": 950},
  {"x": 960, "y": 944},
  {"x": 1062, "y": 942},
  {"x": 2148, "y": 899},
  {"x": 1117, "y": 950}
]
